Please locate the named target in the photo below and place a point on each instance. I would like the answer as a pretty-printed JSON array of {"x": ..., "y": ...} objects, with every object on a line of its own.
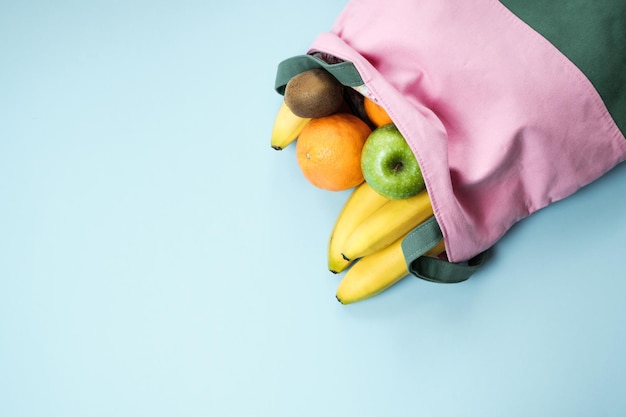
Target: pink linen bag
[{"x": 501, "y": 121}]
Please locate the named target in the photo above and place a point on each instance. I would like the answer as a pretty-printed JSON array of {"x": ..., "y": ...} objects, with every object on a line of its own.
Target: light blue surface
[{"x": 158, "y": 258}]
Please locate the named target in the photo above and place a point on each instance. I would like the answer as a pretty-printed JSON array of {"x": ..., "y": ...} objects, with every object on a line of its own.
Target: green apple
[{"x": 389, "y": 165}]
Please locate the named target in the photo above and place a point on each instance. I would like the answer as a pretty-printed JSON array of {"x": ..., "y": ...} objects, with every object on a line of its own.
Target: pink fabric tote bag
[{"x": 505, "y": 112}]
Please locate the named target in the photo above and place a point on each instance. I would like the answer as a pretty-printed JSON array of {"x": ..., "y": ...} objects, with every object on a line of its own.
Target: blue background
[{"x": 158, "y": 258}]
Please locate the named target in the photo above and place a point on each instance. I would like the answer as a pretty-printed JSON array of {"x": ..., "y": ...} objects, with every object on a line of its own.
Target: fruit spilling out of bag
[
  {"x": 344, "y": 143},
  {"x": 508, "y": 106}
]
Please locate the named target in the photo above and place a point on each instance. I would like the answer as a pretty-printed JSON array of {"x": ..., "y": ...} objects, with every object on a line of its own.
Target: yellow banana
[
  {"x": 374, "y": 273},
  {"x": 360, "y": 204},
  {"x": 287, "y": 127},
  {"x": 387, "y": 224}
]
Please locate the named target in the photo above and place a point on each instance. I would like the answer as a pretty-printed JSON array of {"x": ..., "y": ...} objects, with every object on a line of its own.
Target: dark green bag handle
[
  {"x": 345, "y": 72},
  {"x": 427, "y": 235}
]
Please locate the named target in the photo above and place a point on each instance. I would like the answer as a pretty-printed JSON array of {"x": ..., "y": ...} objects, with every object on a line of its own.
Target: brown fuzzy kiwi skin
[{"x": 313, "y": 93}]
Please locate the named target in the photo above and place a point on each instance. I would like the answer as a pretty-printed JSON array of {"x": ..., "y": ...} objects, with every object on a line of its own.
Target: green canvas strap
[
  {"x": 425, "y": 237},
  {"x": 345, "y": 72}
]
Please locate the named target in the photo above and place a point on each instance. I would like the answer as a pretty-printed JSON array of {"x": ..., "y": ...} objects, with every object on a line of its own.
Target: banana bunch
[
  {"x": 367, "y": 238},
  {"x": 374, "y": 273},
  {"x": 287, "y": 127},
  {"x": 362, "y": 202}
]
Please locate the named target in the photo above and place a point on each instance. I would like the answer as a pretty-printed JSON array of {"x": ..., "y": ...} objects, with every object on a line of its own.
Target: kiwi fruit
[{"x": 313, "y": 93}]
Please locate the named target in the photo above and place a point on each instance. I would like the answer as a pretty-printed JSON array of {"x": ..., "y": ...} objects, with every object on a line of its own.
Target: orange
[
  {"x": 375, "y": 112},
  {"x": 328, "y": 151}
]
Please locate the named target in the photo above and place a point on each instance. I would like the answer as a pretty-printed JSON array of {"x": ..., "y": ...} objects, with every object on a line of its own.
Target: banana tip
[
  {"x": 277, "y": 148},
  {"x": 338, "y": 299},
  {"x": 345, "y": 257}
]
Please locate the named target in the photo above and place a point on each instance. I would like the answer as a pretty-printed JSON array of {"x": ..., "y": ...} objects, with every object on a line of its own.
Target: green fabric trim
[
  {"x": 444, "y": 272},
  {"x": 345, "y": 72},
  {"x": 420, "y": 240},
  {"x": 591, "y": 34},
  {"x": 425, "y": 237}
]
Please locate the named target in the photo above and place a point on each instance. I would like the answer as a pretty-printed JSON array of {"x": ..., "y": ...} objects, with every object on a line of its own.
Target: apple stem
[{"x": 397, "y": 167}]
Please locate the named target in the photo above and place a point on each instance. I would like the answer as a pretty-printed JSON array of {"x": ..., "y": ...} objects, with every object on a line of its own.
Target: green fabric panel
[{"x": 591, "y": 34}]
